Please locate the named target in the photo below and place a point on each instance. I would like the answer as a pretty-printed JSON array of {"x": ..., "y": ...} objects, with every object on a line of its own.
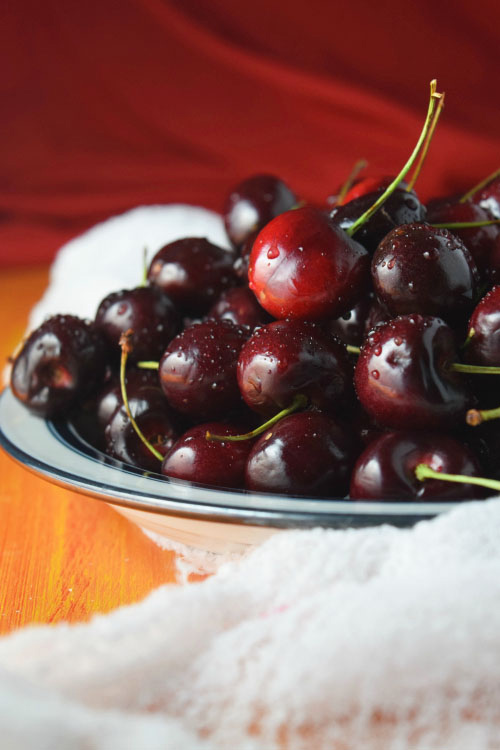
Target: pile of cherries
[{"x": 345, "y": 350}]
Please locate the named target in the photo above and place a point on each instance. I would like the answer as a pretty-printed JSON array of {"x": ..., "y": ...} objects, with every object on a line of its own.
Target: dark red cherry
[
  {"x": 198, "y": 369},
  {"x": 386, "y": 468},
  {"x": 420, "y": 269},
  {"x": 401, "y": 207},
  {"x": 350, "y": 328},
  {"x": 242, "y": 262},
  {"x": 483, "y": 347},
  {"x": 489, "y": 197},
  {"x": 155, "y": 420},
  {"x": 240, "y": 306},
  {"x": 109, "y": 398},
  {"x": 478, "y": 240},
  {"x": 303, "y": 266},
  {"x": 303, "y": 454},
  {"x": 253, "y": 203},
  {"x": 403, "y": 375},
  {"x": 193, "y": 458},
  {"x": 291, "y": 357},
  {"x": 193, "y": 272},
  {"x": 146, "y": 311},
  {"x": 60, "y": 363}
]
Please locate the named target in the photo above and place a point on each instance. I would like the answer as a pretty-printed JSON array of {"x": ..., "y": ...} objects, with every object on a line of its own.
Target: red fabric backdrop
[{"x": 110, "y": 104}]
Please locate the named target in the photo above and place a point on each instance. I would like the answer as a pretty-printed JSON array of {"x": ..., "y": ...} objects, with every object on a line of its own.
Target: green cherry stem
[
  {"x": 434, "y": 98},
  {"x": 423, "y": 472},
  {"x": 470, "y": 335},
  {"x": 479, "y": 185},
  {"x": 475, "y": 417},
  {"x": 352, "y": 349},
  {"x": 298, "y": 402},
  {"x": 146, "y": 365},
  {"x": 126, "y": 348},
  {"x": 357, "y": 168},
  {"x": 425, "y": 148},
  {"x": 466, "y": 224}
]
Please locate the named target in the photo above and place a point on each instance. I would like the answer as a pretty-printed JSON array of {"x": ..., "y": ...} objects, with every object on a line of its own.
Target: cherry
[
  {"x": 193, "y": 272},
  {"x": 60, "y": 363},
  {"x": 478, "y": 240},
  {"x": 303, "y": 266},
  {"x": 156, "y": 421},
  {"x": 365, "y": 186},
  {"x": 418, "y": 268},
  {"x": 109, "y": 399},
  {"x": 240, "y": 266},
  {"x": 487, "y": 194},
  {"x": 198, "y": 369},
  {"x": 350, "y": 327},
  {"x": 386, "y": 468},
  {"x": 404, "y": 375},
  {"x": 290, "y": 357},
  {"x": 304, "y": 454},
  {"x": 240, "y": 306},
  {"x": 253, "y": 203},
  {"x": 217, "y": 463},
  {"x": 146, "y": 311},
  {"x": 401, "y": 207},
  {"x": 483, "y": 343}
]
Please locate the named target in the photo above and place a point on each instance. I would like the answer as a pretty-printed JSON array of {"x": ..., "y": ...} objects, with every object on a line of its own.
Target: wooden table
[{"x": 63, "y": 556}]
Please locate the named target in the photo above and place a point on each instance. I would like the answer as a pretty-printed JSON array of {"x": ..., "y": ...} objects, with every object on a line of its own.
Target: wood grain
[{"x": 63, "y": 556}]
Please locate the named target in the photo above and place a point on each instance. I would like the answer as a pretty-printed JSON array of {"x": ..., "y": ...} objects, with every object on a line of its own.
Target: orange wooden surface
[{"x": 63, "y": 556}]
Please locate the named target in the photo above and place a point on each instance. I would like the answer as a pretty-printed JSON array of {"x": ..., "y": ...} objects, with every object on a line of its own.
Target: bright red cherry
[{"x": 303, "y": 266}]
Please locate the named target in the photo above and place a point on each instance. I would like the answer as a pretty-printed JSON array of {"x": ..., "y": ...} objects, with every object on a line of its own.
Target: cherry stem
[
  {"x": 423, "y": 472},
  {"x": 479, "y": 185},
  {"x": 466, "y": 224},
  {"x": 298, "y": 402},
  {"x": 434, "y": 98},
  {"x": 475, "y": 417},
  {"x": 469, "y": 338},
  {"x": 357, "y": 168},
  {"x": 148, "y": 365},
  {"x": 352, "y": 349},
  {"x": 126, "y": 348},
  {"x": 425, "y": 149},
  {"x": 474, "y": 369}
]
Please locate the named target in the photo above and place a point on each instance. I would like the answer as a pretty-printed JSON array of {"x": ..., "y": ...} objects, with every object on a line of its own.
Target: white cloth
[{"x": 375, "y": 639}]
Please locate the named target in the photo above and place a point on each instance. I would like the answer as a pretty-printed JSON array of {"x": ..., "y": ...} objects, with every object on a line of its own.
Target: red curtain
[{"x": 111, "y": 104}]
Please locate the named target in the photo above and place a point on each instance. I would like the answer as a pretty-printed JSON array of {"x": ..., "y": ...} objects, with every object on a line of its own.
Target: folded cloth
[
  {"x": 380, "y": 639},
  {"x": 376, "y": 639}
]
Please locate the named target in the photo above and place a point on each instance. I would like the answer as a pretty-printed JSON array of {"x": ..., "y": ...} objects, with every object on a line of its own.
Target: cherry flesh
[
  {"x": 303, "y": 454},
  {"x": 386, "y": 468},
  {"x": 303, "y": 266},
  {"x": 401, "y": 207},
  {"x": 60, "y": 363},
  {"x": 147, "y": 311},
  {"x": 420, "y": 269},
  {"x": 253, "y": 203},
  {"x": 193, "y": 458},
  {"x": 198, "y": 369},
  {"x": 193, "y": 272},
  {"x": 403, "y": 375},
  {"x": 289, "y": 357}
]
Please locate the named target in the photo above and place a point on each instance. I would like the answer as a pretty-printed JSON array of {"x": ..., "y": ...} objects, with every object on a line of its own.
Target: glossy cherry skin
[
  {"x": 253, "y": 203},
  {"x": 146, "y": 311},
  {"x": 303, "y": 454},
  {"x": 303, "y": 266},
  {"x": 478, "y": 240},
  {"x": 290, "y": 357},
  {"x": 193, "y": 458},
  {"x": 401, "y": 207},
  {"x": 489, "y": 198},
  {"x": 484, "y": 346},
  {"x": 198, "y": 369},
  {"x": 154, "y": 418},
  {"x": 350, "y": 328},
  {"x": 193, "y": 272},
  {"x": 240, "y": 306},
  {"x": 60, "y": 363},
  {"x": 418, "y": 268},
  {"x": 403, "y": 375},
  {"x": 386, "y": 468}
]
